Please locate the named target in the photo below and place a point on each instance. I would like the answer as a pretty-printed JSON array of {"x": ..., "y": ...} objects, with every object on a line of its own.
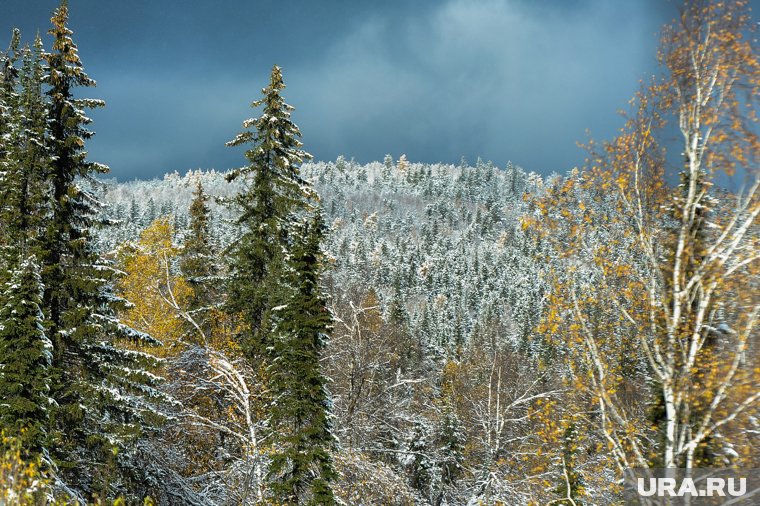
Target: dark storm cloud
[
  {"x": 501, "y": 80},
  {"x": 436, "y": 80}
]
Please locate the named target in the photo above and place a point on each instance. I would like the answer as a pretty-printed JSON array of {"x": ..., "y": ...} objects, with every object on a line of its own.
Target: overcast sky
[{"x": 518, "y": 80}]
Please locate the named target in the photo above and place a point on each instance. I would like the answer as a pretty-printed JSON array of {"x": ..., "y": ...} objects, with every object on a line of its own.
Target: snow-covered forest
[
  {"x": 393, "y": 333},
  {"x": 442, "y": 242},
  {"x": 429, "y": 267}
]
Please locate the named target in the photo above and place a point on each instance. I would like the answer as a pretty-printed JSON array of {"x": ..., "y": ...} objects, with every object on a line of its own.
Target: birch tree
[{"x": 669, "y": 304}]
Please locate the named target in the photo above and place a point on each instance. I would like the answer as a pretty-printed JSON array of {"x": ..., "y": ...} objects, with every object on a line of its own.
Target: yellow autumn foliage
[{"x": 153, "y": 287}]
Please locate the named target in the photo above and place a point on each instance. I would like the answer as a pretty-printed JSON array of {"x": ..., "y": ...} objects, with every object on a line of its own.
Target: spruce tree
[
  {"x": 570, "y": 487},
  {"x": 9, "y": 116},
  {"x": 301, "y": 469},
  {"x": 100, "y": 388},
  {"x": 25, "y": 356},
  {"x": 8, "y": 80},
  {"x": 24, "y": 192},
  {"x": 25, "y": 349},
  {"x": 198, "y": 263},
  {"x": 451, "y": 440},
  {"x": 273, "y": 287},
  {"x": 273, "y": 191}
]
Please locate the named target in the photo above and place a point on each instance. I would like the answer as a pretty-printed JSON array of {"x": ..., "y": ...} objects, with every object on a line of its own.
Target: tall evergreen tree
[
  {"x": 25, "y": 356},
  {"x": 273, "y": 286},
  {"x": 25, "y": 349},
  {"x": 273, "y": 191},
  {"x": 99, "y": 387}
]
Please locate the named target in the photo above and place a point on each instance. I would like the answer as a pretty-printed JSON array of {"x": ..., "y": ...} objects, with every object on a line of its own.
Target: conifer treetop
[
  {"x": 274, "y": 136},
  {"x": 65, "y": 52}
]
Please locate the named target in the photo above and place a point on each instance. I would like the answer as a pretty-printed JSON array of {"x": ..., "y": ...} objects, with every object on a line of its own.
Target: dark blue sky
[{"x": 517, "y": 80}]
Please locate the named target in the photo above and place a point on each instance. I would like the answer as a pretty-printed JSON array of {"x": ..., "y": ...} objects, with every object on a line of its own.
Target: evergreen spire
[
  {"x": 273, "y": 190},
  {"x": 23, "y": 195},
  {"x": 8, "y": 78},
  {"x": 274, "y": 288},
  {"x": 197, "y": 263}
]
